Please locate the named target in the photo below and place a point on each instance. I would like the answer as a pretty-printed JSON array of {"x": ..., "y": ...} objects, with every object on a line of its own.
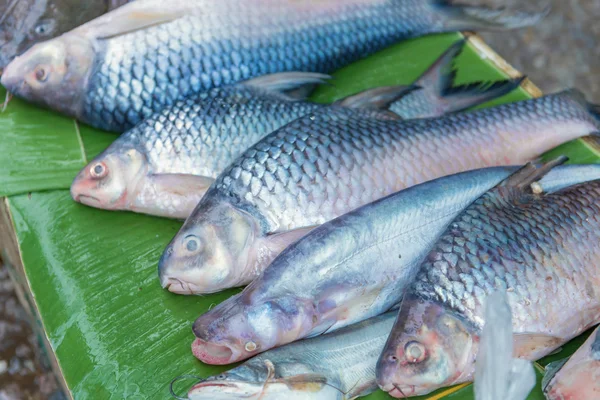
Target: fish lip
[
  {"x": 400, "y": 391},
  {"x": 199, "y": 350},
  {"x": 87, "y": 200},
  {"x": 178, "y": 286}
]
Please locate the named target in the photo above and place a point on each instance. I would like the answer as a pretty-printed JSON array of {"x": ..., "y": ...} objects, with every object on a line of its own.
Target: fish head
[
  {"x": 244, "y": 382},
  {"x": 211, "y": 251},
  {"x": 111, "y": 180},
  {"x": 429, "y": 347},
  {"x": 575, "y": 381},
  {"x": 241, "y": 327},
  {"x": 53, "y": 74}
]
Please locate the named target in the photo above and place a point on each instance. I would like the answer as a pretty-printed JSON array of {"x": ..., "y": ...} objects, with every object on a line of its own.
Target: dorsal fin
[{"x": 531, "y": 173}]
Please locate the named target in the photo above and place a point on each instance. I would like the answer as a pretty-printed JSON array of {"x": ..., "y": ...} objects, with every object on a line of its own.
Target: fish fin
[
  {"x": 189, "y": 189},
  {"x": 380, "y": 98},
  {"x": 292, "y": 85},
  {"x": 595, "y": 347},
  {"x": 277, "y": 242},
  {"x": 462, "y": 17},
  {"x": 551, "y": 370},
  {"x": 441, "y": 74},
  {"x": 130, "y": 18},
  {"x": 534, "y": 345},
  {"x": 523, "y": 179},
  {"x": 304, "y": 382}
]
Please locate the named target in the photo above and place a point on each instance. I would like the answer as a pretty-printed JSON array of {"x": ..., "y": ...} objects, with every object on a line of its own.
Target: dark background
[{"x": 561, "y": 52}]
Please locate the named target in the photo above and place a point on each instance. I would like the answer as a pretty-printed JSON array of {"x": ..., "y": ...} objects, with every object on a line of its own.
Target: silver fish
[
  {"x": 540, "y": 248},
  {"x": 164, "y": 165},
  {"x": 330, "y": 162},
  {"x": 24, "y": 23},
  {"x": 339, "y": 366},
  {"x": 122, "y": 67},
  {"x": 319, "y": 284},
  {"x": 579, "y": 376}
]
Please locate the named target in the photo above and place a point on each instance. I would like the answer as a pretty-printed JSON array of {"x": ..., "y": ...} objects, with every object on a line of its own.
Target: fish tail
[
  {"x": 380, "y": 98},
  {"x": 440, "y": 78},
  {"x": 462, "y": 17}
]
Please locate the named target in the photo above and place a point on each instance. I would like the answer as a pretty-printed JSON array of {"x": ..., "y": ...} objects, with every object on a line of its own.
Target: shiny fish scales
[
  {"x": 330, "y": 162},
  {"x": 540, "y": 249},
  {"x": 122, "y": 67},
  {"x": 180, "y": 150},
  {"x": 338, "y": 366},
  {"x": 318, "y": 284}
]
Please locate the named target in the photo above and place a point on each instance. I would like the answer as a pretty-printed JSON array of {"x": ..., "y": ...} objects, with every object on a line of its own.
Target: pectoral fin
[
  {"x": 182, "y": 191},
  {"x": 305, "y": 383},
  {"x": 535, "y": 345},
  {"x": 290, "y": 85}
]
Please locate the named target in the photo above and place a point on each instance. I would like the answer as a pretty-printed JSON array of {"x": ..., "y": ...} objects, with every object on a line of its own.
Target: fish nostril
[{"x": 392, "y": 359}]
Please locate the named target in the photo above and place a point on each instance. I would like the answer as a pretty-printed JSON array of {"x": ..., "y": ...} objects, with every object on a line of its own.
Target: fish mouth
[
  {"x": 88, "y": 200},
  {"x": 211, "y": 353},
  {"x": 178, "y": 286},
  {"x": 400, "y": 391}
]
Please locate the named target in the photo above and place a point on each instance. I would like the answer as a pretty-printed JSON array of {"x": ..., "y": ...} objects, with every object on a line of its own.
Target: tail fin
[
  {"x": 439, "y": 81},
  {"x": 291, "y": 85},
  {"x": 462, "y": 17}
]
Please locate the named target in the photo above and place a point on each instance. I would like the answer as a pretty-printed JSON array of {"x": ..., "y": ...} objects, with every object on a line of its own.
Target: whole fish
[
  {"x": 540, "y": 248},
  {"x": 24, "y": 23},
  {"x": 122, "y": 67},
  {"x": 319, "y": 284},
  {"x": 330, "y": 162},
  {"x": 339, "y": 366},
  {"x": 164, "y": 165},
  {"x": 579, "y": 377}
]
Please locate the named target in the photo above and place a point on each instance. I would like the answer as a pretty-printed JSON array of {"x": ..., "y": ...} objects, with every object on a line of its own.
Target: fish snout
[
  {"x": 212, "y": 353},
  {"x": 12, "y": 77}
]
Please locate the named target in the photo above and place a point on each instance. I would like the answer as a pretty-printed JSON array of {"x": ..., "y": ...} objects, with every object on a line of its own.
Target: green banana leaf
[{"x": 93, "y": 274}]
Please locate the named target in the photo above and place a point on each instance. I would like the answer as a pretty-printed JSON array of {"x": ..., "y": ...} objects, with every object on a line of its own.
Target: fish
[
  {"x": 120, "y": 68},
  {"x": 330, "y": 162},
  {"x": 338, "y": 366},
  {"x": 26, "y": 22},
  {"x": 539, "y": 248},
  {"x": 164, "y": 165},
  {"x": 318, "y": 284},
  {"x": 578, "y": 376}
]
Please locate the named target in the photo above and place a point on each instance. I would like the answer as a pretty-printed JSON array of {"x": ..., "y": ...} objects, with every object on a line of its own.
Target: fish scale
[
  {"x": 532, "y": 250},
  {"x": 200, "y": 135},
  {"x": 347, "y": 160},
  {"x": 219, "y": 44}
]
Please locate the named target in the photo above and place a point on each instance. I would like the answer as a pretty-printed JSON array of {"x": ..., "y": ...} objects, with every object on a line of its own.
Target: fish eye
[
  {"x": 44, "y": 28},
  {"x": 415, "y": 352},
  {"x": 250, "y": 346},
  {"x": 98, "y": 170},
  {"x": 41, "y": 74},
  {"x": 191, "y": 243}
]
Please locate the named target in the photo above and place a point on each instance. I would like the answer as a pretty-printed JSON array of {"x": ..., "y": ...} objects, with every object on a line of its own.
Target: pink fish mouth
[
  {"x": 399, "y": 391},
  {"x": 211, "y": 353},
  {"x": 88, "y": 200},
  {"x": 178, "y": 286}
]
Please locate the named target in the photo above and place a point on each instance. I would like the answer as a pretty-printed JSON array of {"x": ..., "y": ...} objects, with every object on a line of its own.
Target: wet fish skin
[
  {"x": 338, "y": 366},
  {"x": 330, "y": 162},
  {"x": 179, "y": 151},
  {"x": 27, "y": 22},
  {"x": 540, "y": 249},
  {"x": 319, "y": 284},
  {"x": 120, "y": 68},
  {"x": 578, "y": 378}
]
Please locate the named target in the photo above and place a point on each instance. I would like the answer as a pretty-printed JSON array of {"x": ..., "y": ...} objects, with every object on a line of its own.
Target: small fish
[
  {"x": 339, "y": 366},
  {"x": 164, "y": 165},
  {"x": 318, "y": 284},
  {"x": 24, "y": 23},
  {"x": 330, "y": 162},
  {"x": 122, "y": 67},
  {"x": 579, "y": 377},
  {"x": 539, "y": 248}
]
